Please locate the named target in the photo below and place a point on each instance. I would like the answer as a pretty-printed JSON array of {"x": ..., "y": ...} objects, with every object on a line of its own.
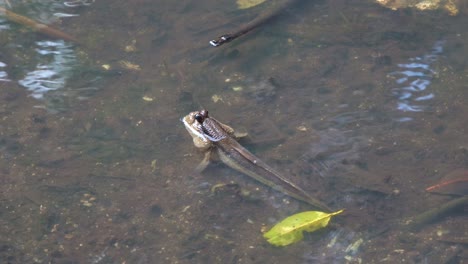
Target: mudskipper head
[{"x": 193, "y": 123}]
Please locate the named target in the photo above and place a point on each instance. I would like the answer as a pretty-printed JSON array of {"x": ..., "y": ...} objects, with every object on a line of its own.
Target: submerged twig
[
  {"x": 39, "y": 27},
  {"x": 434, "y": 214},
  {"x": 259, "y": 21}
]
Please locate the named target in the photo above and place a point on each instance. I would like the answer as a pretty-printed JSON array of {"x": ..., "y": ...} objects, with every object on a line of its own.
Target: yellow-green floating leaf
[
  {"x": 244, "y": 4},
  {"x": 290, "y": 229}
]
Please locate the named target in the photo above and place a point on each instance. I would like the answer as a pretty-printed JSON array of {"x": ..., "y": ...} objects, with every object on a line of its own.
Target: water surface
[{"x": 362, "y": 106}]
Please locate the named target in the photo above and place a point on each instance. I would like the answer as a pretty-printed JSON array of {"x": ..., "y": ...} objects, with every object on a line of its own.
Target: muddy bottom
[{"x": 99, "y": 168}]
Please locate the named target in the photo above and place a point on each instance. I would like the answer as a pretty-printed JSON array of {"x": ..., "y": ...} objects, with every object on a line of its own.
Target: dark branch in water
[{"x": 257, "y": 22}]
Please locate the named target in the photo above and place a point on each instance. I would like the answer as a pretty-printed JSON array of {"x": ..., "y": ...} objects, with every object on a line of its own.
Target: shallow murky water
[{"x": 362, "y": 106}]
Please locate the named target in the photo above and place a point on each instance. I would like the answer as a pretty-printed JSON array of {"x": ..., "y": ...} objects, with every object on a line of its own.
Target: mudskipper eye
[{"x": 199, "y": 117}]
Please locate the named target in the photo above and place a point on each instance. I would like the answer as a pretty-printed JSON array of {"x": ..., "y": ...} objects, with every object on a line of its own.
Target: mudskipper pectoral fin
[{"x": 204, "y": 163}]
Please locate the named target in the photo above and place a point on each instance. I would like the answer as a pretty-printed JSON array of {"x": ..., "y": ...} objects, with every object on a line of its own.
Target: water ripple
[
  {"x": 52, "y": 73},
  {"x": 3, "y": 24},
  {"x": 3, "y": 74},
  {"x": 413, "y": 80}
]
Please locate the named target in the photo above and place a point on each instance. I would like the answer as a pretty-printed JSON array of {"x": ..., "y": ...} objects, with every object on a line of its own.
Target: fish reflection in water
[
  {"x": 413, "y": 80},
  {"x": 57, "y": 60}
]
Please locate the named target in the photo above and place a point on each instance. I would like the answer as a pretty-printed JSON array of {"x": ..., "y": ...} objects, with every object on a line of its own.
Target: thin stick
[
  {"x": 39, "y": 27},
  {"x": 259, "y": 21}
]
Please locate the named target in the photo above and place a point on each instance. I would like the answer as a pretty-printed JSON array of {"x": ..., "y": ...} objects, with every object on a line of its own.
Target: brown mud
[{"x": 110, "y": 179}]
